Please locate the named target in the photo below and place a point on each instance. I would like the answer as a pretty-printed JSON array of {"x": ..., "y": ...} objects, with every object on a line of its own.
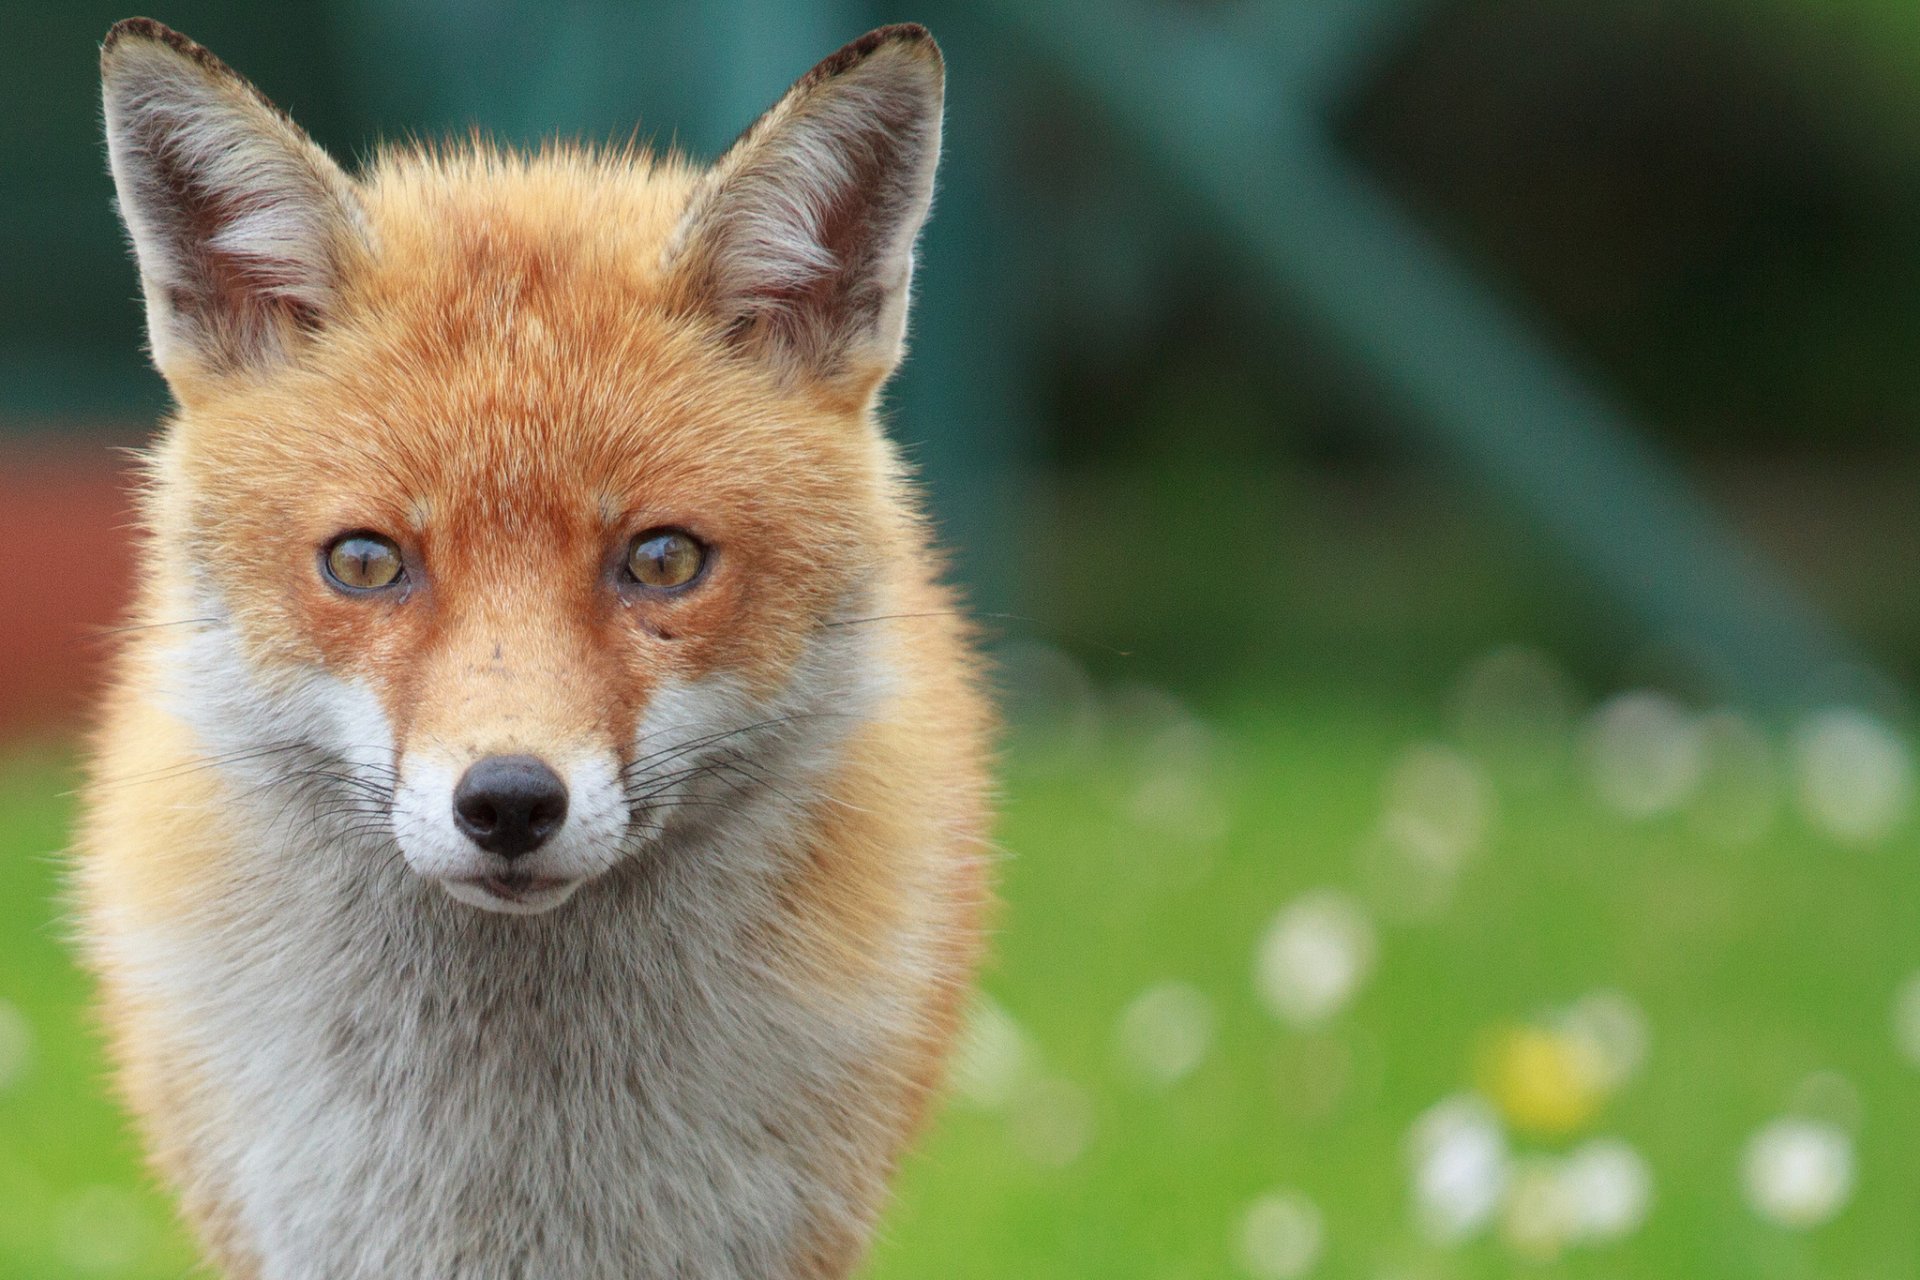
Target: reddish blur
[{"x": 65, "y": 515}]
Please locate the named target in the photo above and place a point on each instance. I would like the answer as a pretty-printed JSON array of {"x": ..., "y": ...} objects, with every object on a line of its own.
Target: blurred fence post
[
  {"x": 1235, "y": 121},
  {"x": 962, "y": 407}
]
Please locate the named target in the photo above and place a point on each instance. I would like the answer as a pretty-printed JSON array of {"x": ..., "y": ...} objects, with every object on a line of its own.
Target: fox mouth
[{"x": 512, "y": 892}]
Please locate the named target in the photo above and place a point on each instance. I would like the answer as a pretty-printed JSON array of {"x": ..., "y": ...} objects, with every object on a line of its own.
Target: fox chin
[{"x": 539, "y": 824}]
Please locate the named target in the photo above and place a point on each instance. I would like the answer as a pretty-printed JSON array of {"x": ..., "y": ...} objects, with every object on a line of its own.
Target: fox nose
[{"x": 509, "y": 805}]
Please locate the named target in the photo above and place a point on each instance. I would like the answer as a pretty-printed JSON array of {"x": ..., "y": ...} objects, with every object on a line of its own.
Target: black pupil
[
  {"x": 660, "y": 553},
  {"x": 366, "y": 559},
  {"x": 665, "y": 560}
]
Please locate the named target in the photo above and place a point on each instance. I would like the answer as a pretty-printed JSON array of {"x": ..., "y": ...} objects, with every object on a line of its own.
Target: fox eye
[
  {"x": 666, "y": 558},
  {"x": 363, "y": 561}
]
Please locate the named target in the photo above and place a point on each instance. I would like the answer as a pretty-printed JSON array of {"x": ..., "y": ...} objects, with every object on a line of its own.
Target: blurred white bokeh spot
[
  {"x": 1798, "y": 1172},
  {"x": 1314, "y": 957},
  {"x": 1052, "y": 1122},
  {"x": 1513, "y": 707},
  {"x": 994, "y": 1058},
  {"x": 1740, "y": 793},
  {"x": 1610, "y": 1187},
  {"x": 100, "y": 1231},
  {"x": 1854, "y": 774},
  {"x": 1164, "y": 1034},
  {"x": 1407, "y": 876},
  {"x": 16, "y": 1045},
  {"x": 1045, "y": 689},
  {"x": 1644, "y": 753},
  {"x": 1281, "y": 1237},
  {"x": 1461, "y": 1167},
  {"x": 1175, "y": 758},
  {"x": 1437, "y": 812},
  {"x": 1439, "y": 799},
  {"x": 1180, "y": 804},
  {"x": 1538, "y": 1218},
  {"x": 1906, "y": 1019},
  {"x": 1613, "y": 1028},
  {"x": 1158, "y": 726}
]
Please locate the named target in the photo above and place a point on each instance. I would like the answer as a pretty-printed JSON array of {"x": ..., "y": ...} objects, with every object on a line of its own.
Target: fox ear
[
  {"x": 800, "y": 241},
  {"x": 240, "y": 224}
]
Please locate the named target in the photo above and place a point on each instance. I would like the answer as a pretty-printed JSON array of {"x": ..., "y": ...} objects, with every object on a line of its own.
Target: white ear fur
[
  {"x": 240, "y": 224},
  {"x": 801, "y": 239}
]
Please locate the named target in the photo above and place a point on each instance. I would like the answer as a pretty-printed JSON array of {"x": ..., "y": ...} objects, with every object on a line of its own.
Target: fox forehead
[
  {"x": 506, "y": 389},
  {"x": 508, "y": 299},
  {"x": 510, "y": 342},
  {"x": 555, "y": 257},
  {"x": 474, "y": 207}
]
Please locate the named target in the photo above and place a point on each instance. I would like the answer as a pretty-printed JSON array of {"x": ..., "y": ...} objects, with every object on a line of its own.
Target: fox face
[{"x": 522, "y": 512}]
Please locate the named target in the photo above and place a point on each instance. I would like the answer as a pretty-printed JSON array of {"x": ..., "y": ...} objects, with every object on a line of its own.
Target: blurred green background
[{"x": 1442, "y": 476}]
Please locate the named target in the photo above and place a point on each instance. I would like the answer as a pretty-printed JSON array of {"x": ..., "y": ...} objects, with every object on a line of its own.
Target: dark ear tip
[
  {"x": 908, "y": 37},
  {"x": 148, "y": 31},
  {"x": 904, "y": 33},
  {"x": 138, "y": 29}
]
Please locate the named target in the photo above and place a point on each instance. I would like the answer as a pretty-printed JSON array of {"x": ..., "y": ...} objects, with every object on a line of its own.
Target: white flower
[
  {"x": 1052, "y": 1122},
  {"x": 994, "y": 1059},
  {"x": 16, "y": 1045},
  {"x": 1612, "y": 1027},
  {"x": 1165, "y": 1033},
  {"x": 1281, "y": 1236},
  {"x": 1460, "y": 1167},
  {"x": 1609, "y": 1186},
  {"x": 1799, "y": 1173},
  {"x": 1906, "y": 1019},
  {"x": 1644, "y": 754},
  {"x": 1313, "y": 957},
  {"x": 1439, "y": 799},
  {"x": 1855, "y": 775}
]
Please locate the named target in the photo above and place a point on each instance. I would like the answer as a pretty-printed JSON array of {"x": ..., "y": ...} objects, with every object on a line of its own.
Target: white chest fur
[{"x": 626, "y": 1087}]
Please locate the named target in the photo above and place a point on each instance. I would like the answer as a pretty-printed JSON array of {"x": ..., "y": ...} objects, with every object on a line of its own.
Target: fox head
[{"x": 520, "y": 509}]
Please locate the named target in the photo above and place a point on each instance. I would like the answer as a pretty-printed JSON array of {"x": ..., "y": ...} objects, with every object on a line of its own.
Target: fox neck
[
  {"x": 411, "y": 1099},
  {"x": 389, "y": 1057}
]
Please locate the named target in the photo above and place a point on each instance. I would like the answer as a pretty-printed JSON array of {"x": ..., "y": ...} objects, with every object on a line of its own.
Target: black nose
[{"x": 509, "y": 805}]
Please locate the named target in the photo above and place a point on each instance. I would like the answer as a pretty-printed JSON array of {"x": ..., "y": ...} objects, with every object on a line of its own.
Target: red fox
[{"x": 538, "y": 829}]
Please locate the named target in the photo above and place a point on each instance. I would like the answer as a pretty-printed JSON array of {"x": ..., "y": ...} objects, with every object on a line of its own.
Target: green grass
[
  {"x": 1756, "y": 967},
  {"x": 72, "y": 1199}
]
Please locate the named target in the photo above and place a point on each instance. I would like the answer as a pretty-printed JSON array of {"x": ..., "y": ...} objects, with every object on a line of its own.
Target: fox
[{"x": 538, "y": 824}]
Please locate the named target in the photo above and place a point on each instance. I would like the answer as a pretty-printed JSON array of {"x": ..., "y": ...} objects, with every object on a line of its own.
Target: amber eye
[
  {"x": 363, "y": 561},
  {"x": 666, "y": 558}
]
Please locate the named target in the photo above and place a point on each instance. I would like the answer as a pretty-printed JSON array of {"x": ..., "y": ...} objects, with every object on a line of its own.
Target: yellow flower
[{"x": 1545, "y": 1082}]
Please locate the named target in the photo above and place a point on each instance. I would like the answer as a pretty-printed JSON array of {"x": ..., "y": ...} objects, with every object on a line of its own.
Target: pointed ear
[
  {"x": 800, "y": 241},
  {"x": 241, "y": 225}
]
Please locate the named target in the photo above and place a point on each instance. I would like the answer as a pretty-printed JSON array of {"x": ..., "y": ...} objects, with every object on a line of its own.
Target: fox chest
[{"x": 494, "y": 1124}]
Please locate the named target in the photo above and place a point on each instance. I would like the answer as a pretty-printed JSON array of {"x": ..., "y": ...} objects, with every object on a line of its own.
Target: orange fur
[{"x": 514, "y": 381}]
